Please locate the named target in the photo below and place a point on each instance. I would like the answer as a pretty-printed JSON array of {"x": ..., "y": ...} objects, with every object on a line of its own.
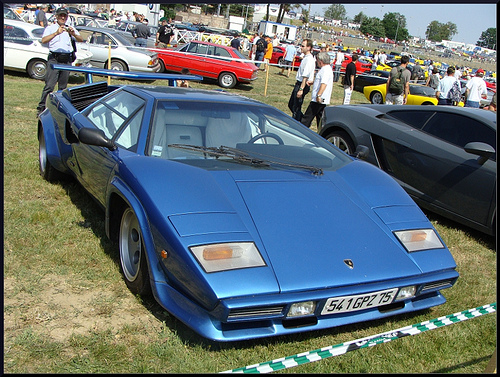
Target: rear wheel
[
  {"x": 37, "y": 69},
  {"x": 227, "y": 80},
  {"x": 118, "y": 65},
  {"x": 376, "y": 98},
  {"x": 132, "y": 254},
  {"x": 342, "y": 141}
]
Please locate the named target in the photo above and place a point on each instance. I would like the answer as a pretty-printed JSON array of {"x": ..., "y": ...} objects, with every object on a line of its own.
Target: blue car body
[{"x": 303, "y": 225}]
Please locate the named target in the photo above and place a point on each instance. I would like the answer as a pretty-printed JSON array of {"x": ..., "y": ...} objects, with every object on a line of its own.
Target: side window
[
  {"x": 113, "y": 113},
  {"x": 416, "y": 119},
  {"x": 130, "y": 134},
  {"x": 220, "y": 51},
  {"x": 460, "y": 130},
  {"x": 16, "y": 35}
]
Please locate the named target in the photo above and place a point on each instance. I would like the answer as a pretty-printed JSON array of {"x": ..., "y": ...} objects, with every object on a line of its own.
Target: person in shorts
[{"x": 399, "y": 98}]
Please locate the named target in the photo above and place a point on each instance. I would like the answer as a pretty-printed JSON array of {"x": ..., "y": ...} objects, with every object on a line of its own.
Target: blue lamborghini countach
[{"x": 240, "y": 221}]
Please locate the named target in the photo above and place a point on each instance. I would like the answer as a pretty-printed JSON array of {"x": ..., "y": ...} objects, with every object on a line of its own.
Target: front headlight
[
  {"x": 419, "y": 239},
  {"x": 227, "y": 256}
]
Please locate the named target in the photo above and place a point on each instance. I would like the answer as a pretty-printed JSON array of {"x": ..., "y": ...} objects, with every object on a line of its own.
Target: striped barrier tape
[{"x": 370, "y": 341}]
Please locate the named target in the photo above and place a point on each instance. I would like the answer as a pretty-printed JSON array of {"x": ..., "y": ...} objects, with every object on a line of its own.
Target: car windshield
[{"x": 226, "y": 136}]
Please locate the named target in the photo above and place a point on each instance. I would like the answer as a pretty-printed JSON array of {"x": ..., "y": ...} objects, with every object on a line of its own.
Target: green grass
[{"x": 67, "y": 310}]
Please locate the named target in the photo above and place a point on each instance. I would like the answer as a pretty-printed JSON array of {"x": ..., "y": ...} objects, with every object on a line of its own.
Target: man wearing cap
[
  {"x": 475, "y": 90},
  {"x": 164, "y": 34},
  {"x": 58, "y": 38}
]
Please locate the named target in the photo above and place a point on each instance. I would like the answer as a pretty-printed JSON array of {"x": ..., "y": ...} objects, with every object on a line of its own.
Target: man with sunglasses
[
  {"x": 305, "y": 74},
  {"x": 58, "y": 38}
]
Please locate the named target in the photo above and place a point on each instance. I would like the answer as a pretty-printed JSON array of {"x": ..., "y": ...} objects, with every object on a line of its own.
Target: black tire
[
  {"x": 37, "y": 69},
  {"x": 376, "y": 98},
  {"x": 47, "y": 171},
  {"x": 162, "y": 66},
  {"x": 227, "y": 80},
  {"x": 133, "y": 254},
  {"x": 117, "y": 65},
  {"x": 341, "y": 140},
  {"x": 281, "y": 62}
]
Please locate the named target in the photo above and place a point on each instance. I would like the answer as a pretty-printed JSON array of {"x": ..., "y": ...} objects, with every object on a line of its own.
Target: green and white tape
[{"x": 340, "y": 349}]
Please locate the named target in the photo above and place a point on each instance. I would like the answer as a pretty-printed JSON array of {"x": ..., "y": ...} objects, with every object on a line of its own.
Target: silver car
[{"x": 124, "y": 55}]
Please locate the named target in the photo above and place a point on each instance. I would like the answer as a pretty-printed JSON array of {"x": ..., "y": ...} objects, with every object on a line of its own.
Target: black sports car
[
  {"x": 443, "y": 156},
  {"x": 373, "y": 77}
]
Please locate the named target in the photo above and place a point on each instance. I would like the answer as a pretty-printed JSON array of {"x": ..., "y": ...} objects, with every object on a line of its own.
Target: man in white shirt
[
  {"x": 322, "y": 90},
  {"x": 58, "y": 38},
  {"x": 305, "y": 74},
  {"x": 339, "y": 58},
  {"x": 445, "y": 84},
  {"x": 476, "y": 89}
]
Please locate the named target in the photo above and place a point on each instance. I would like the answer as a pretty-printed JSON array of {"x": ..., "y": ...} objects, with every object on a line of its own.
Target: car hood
[{"x": 305, "y": 226}]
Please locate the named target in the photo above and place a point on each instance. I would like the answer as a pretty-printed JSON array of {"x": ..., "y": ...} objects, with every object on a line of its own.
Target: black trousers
[
  {"x": 53, "y": 77},
  {"x": 295, "y": 104},
  {"x": 314, "y": 110}
]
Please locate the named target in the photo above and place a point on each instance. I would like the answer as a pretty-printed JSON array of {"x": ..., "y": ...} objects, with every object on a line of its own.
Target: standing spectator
[
  {"x": 339, "y": 58},
  {"x": 141, "y": 33},
  {"x": 417, "y": 72},
  {"x": 350, "y": 75},
  {"x": 376, "y": 56},
  {"x": 305, "y": 73},
  {"x": 269, "y": 52},
  {"x": 433, "y": 79},
  {"x": 475, "y": 90},
  {"x": 41, "y": 17},
  {"x": 493, "y": 104},
  {"x": 235, "y": 43},
  {"x": 288, "y": 59},
  {"x": 321, "y": 91},
  {"x": 260, "y": 49},
  {"x": 444, "y": 87},
  {"x": 164, "y": 34},
  {"x": 58, "y": 37},
  {"x": 458, "y": 73},
  {"x": 382, "y": 58},
  {"x": 112, "y": 18},
  {"x": 400, "y": 75}
]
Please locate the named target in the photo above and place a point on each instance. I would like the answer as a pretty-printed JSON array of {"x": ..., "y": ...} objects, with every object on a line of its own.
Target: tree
[
  {"x": 335, "y": 12},
  {"x": 284, "y": 8},
  {"x": 436, "y": 31},
  {"x": 359, "y": 18},
  {"x": 488, "y": 38},
  {"x": 395, "y": 26},
  {"x": 372, "y": 26}
]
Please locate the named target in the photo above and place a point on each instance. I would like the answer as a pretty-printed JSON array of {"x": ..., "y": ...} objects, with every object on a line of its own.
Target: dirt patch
[{"x": 62, "y": 309}]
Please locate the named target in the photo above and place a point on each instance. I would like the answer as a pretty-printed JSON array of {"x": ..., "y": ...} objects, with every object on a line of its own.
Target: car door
[
  {"x": 432, "y": 164},
  {"x": 195, "y": 60},
  {"x": 120, "y": 118},
  {"x": 19, "y": 46},
  {"x": 97, "y": 43}
]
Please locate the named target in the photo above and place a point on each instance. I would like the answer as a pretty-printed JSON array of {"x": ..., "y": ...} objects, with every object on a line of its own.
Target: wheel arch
[
  {"x": 121, "y": 60},
  {"x": 54, "y": 155},
  {"x": 32, "y": 60},
  {"x": 121, "y": 197},
  {"x": 228, "y": 73},
  {"x": 339, "y": 126}
]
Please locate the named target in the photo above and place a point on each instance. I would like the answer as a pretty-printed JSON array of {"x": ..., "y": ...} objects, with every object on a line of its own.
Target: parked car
[
  {"x": 124, "y": 56},
  {"x": 127, "y": 27},
  {"x": 362, "y": 64},
  {"x": 209, "y": 60},
  {"x": 23, "y": 51},
  {"x": 370, "y": 78},
  {"x": 443, "y": 156},
  {"x": 242, "y": 222},
  {"x": 10, "y": 14},
  {"x": 419, "y": 94},
  {"x": 278, "y": 57},
  {"x": 76, "y": 19}
]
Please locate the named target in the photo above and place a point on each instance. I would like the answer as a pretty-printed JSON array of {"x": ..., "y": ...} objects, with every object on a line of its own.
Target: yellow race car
[{"x": 419, "y": 94}]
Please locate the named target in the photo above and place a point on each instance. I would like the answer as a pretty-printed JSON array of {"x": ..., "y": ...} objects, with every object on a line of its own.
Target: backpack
[
  {"x": 260, "y": 46},
  {"x": 396, "y": 86},
  {"x": 455, "y": 94},
  {"x": 434, "y": 81}
]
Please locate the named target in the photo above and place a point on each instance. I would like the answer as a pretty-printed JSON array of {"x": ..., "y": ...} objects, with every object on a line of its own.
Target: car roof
[{"x": 209, "y": 44}]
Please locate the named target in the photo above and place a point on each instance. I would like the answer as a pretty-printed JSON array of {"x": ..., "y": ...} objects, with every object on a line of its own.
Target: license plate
[{"x": 359, "y": 302}]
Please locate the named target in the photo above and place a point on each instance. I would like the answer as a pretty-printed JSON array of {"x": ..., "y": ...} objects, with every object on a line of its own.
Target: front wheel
[
  {"x": 132, "y": 254},
  {"x": 342, "y": 141},
  {"x": 37, "y": 69},
  {"x": 47, "y": 171},
  {"x": 227, "y": 80},
  {"x": 376, "y": 98}
]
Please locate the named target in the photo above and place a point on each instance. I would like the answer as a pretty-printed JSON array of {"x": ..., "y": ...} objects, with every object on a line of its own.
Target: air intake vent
[
  {"x": 84, "y": 95},
  {"x": 436, "y": 285},
  {"x": 257, "y": 312}
]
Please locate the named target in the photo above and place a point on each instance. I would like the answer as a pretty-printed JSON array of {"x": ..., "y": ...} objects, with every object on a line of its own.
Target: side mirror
[
  {"x": 483, "y": 150},
  {"x": 362, "y": 152},
  {"x": 93, "y": 136}
]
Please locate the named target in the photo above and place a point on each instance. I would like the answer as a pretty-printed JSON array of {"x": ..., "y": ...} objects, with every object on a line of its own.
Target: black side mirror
[{"x": 93, "y": 136}]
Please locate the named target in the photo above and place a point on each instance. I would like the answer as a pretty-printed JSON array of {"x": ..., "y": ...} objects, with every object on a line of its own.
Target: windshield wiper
[{"x": 241, "y": 156}]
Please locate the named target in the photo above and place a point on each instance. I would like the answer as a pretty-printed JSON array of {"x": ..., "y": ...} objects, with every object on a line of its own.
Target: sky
[{"x": 471, "y": 19}]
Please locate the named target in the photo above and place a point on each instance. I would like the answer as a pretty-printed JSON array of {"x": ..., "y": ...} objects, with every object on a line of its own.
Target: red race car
[
  {"x": 362, "y": 65},
  {"x": 278, "y": 57},
  {"x": 209, "y": 60}
]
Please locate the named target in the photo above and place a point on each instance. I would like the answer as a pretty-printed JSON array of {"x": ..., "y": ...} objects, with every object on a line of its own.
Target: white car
[{"x": 23, "y": 51}]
